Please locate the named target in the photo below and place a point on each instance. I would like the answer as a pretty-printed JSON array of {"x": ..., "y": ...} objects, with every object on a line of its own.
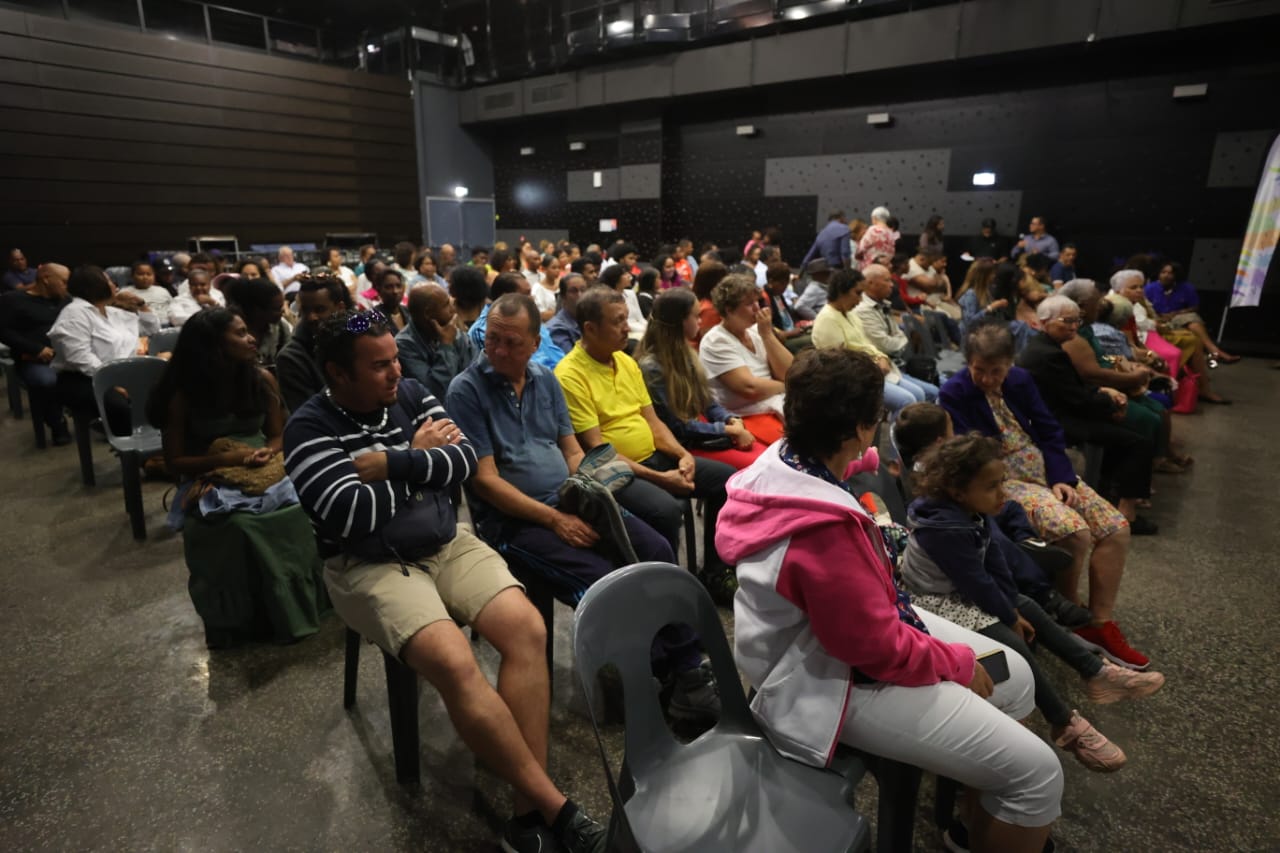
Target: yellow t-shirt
[{"x": 609, "y": 396}]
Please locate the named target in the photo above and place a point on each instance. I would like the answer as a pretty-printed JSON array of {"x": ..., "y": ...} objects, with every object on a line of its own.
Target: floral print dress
[{"x": 1025, "y": 482}]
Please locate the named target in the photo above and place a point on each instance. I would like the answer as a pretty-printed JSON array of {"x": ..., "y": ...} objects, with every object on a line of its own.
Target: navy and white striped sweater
[{"x": 321, "y": 442}]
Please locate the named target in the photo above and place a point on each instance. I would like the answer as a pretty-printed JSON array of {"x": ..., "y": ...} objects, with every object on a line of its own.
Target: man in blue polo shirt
[
  {"x": 514, "y": 413},
  {"x": 563, "y": 326}
]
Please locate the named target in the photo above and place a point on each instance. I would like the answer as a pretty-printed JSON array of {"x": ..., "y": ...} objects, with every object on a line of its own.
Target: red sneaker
[{"x": 1111, "y": 644}]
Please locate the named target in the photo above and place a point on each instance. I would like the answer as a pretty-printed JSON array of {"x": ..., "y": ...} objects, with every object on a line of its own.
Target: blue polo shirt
[{"x": 522, "y": 435}]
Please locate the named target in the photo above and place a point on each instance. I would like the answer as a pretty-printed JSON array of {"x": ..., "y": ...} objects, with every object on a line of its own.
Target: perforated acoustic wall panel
[
  {"x": 1238, "y": 156},
  {"x": 912, "y": 184}
]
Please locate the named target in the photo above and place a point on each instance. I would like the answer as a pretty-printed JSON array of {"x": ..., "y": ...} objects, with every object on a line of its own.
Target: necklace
[{"x": 378, "y": 427}]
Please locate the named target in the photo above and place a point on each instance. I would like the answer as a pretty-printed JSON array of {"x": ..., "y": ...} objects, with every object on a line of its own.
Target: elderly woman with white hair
[
  {"x": 1144, "y": 413},
  {"x": 879, "y": 244},
  {"x": 1180, "y": 348},
  {"x": 1089, "y": 412}
]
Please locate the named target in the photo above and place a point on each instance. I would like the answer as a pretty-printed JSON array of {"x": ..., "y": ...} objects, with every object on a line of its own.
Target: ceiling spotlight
[
  {"x": 372, "y": 48},
  {"x": 460, "y": 191},
  {"x": 880, "y": 119},
  {"x": 984, "y": 179},
  {"x": 577, "y": 146},
  {"x": 526, "y": 151}
]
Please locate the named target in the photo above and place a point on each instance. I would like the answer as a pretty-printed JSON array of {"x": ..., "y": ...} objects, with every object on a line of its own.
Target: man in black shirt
[
  {"x": 989, "y": 244},
  {"x": 25, "y": 319}
]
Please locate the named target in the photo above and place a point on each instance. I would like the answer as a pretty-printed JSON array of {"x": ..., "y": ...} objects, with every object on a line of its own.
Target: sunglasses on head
[{"x": 358, "y": 324}]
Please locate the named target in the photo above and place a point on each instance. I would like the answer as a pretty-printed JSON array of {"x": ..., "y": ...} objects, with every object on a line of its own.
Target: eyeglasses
[
  {"x": 1071, "y": 321},
  {"x": 358, "y": 324}
]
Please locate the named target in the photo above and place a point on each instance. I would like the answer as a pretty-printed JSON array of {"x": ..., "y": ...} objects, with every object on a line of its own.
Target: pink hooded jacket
[{"x": 816, "y": 599}]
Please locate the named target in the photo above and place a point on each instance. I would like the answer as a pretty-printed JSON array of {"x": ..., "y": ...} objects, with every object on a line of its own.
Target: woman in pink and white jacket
[{"x": 833, "y": 647}]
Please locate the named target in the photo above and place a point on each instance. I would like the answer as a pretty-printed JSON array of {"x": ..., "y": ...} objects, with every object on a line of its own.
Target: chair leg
[
  {"x": 37, "y": 426},
  {"x": 899, "y": 786},
  {"x": 14, "y": 388},
  {"x": 84, "y": 444},
  {"x": 690, "y": 537},
  {"x": 944, "y": 802},
  {"x": 352, "y": 668},
  {"x": 402, "y": 697},
  {"x": 131, "y": 473}
]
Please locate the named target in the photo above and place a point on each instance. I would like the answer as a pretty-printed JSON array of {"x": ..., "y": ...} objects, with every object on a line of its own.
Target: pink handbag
[{"x": 1186, "y": 398}]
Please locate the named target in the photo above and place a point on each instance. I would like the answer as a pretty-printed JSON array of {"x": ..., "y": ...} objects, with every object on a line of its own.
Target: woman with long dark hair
[
  {"x": 255, "y": 572},
  {"x": 931, "y": 237},
  {"x": 678, "y": 385}
]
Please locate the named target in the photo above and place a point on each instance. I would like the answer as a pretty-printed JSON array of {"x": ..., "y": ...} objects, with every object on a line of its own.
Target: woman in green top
[{"x": 255, "y": 572}]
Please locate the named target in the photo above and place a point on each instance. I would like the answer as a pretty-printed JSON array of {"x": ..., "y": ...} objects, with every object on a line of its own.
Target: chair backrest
[
  {"x": 616, "y": 623},
  {"x": 163, "y": 341},
  {"x": 138, "y": 376},
  {"x": 883, "y": 484}
]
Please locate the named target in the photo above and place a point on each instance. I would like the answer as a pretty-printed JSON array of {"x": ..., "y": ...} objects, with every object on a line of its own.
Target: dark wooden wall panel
[{"x": 119, "y": 142}]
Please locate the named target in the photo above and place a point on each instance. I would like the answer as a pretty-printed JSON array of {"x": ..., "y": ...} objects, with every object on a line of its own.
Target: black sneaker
[
  {"x": 721, "y": 583},
  {"x": 523, "y": 836},
  {"x": 579, "y": 833},
  {"x": 956, "y": 837},
  {"x": 695, "y": 697},
  {"x": 1143, "y": 526},
  {"x": 1065, "y": 612},
  {"x": 61, "y": 435}
]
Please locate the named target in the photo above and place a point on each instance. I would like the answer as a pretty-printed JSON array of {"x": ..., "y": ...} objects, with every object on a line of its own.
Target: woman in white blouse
[
  {"x": 88, "y": 333},
  {"x": 618, "y": 278},
  {"x": 745, "y": 361},
  {"x": 547, "y": 290}
]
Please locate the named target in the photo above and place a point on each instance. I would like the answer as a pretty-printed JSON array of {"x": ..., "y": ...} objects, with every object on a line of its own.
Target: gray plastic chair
[
  {"x": 163, "y": 341},
  {"x": 137, "y": 376},
  {"x": 12, "y": 384},
  {"x": 729, "y": 790}
]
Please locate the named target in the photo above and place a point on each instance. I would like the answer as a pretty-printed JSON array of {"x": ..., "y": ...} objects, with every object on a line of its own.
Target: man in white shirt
[{"x": 286, "y": 272}]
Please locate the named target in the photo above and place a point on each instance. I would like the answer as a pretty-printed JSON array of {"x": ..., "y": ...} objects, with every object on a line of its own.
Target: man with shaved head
[
  {"x": 433, "y": 347},
  {"x": 881, "y": 328},
  {"x": 26, "y": 315},
  {"x": 18, "y": 275}
]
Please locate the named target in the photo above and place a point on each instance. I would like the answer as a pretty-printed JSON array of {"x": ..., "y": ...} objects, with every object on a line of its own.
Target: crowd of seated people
[{"x": 322, "y": 423}]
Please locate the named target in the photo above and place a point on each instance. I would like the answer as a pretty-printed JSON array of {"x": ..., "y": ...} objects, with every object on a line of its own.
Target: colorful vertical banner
[{"x": 1261, "y": 236}]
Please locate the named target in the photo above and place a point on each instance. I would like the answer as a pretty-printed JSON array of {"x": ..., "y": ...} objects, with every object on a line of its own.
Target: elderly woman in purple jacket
[{"x": 997, "y": 399}]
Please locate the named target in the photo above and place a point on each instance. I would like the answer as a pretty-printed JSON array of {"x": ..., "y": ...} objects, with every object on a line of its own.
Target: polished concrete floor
[{"x": 121, "y": 731}]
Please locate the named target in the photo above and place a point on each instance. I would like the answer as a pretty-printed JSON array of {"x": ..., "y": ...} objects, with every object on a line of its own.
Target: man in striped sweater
[{"x": 373, "y": 458}]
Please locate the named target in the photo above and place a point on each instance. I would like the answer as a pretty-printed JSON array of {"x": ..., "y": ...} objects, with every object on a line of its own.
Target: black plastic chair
[
  {"x": 402, "y": 700},
  {"x": 690, "y": 536}
]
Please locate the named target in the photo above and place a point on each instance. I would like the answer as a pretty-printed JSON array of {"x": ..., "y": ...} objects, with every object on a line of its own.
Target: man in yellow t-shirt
[{"x": 608, "y": 402}]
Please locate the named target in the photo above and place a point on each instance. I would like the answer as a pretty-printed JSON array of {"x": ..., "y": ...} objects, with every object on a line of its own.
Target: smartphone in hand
[{"x": 996, "y": 664}]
